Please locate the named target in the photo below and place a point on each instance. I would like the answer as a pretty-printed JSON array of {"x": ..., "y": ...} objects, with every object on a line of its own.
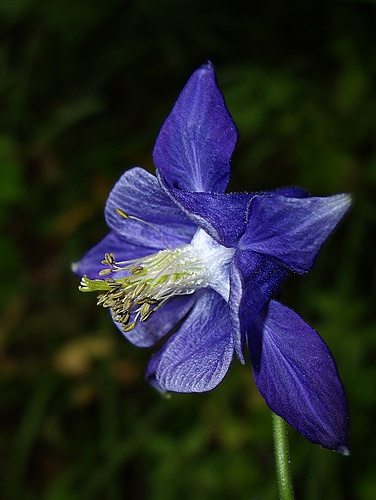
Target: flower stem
[{"x": 281, "y": 450}]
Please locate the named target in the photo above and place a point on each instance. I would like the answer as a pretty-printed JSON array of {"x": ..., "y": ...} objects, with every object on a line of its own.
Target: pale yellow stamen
[{"x": 148, "y": 283}]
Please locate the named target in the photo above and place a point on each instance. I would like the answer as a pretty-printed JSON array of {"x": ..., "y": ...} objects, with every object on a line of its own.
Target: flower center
[{"x": 146, "y": 283}]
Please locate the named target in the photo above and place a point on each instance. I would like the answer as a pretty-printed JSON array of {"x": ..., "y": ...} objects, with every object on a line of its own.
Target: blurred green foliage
[{"x": 84, "y": 88}]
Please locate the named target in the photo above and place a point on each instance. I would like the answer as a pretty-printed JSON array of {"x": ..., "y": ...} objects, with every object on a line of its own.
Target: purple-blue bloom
[{"x": 185, "y": 257}]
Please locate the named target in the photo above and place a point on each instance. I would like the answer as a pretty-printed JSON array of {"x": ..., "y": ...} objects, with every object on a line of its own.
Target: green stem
[{"x": 281, "y": 450}]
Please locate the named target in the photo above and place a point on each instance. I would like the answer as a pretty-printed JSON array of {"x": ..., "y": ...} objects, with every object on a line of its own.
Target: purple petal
[
  {"x": 296, "y": 374},
  {"x": 262, "y": 276},
  {"x": 253, "y": 280},
  {"x": 223, "y": 216},
  {"x": 151, "y": 369},
  {"x": 198, "y": 355},
  {"x": 289, "y": 191},
  {"x": 148, "y": 333},
  {"x": 194, "y": 146},
  {"x": 90, "y": 263},
  {"x": 139, "y": 194},
  {"x": 292, "y": 230}
]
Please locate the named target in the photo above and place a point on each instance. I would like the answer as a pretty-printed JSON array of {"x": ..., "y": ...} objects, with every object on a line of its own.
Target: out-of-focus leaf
[
  {"x": 11, "y": 181},
  {"x": 76, "y": 358}
]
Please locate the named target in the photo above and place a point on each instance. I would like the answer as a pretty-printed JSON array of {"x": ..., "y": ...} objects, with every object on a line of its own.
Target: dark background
[{"x": 84, "y": 88}]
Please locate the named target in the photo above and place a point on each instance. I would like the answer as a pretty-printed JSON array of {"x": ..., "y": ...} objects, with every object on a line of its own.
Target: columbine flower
[{"x": 183, "y": 256}]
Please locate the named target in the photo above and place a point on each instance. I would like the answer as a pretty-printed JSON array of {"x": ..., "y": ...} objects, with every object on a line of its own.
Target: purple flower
[{"x": 182, "y": 256}]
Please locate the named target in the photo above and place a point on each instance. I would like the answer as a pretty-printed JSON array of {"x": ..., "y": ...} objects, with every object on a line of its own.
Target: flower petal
[
  {"x": 90, "y": 263},
  {"x": 289, "y": 192},
  {"x": 254, "y": 278},
  {"x": 139, "y": 194},
  {"x": 222, "y": 216},
  {"x": 151, "y": 369},
  {"x": 291, "y": 229},
  {"x": 198, "y": 355},
  {"x": 262, "y": 277},
  {"x": 160, "y": 323},
  {"x": 194, "y": 146},
  {"x": 296, "y": 374}
]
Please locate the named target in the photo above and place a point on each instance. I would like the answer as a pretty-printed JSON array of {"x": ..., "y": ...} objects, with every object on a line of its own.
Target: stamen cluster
[
  {"x": 127, "y": 308},
  {"x": 148, "y": 284}
]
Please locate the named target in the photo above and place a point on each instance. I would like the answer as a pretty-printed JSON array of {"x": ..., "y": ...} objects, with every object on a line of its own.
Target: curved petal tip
[{"x": 344, "y": 450}]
